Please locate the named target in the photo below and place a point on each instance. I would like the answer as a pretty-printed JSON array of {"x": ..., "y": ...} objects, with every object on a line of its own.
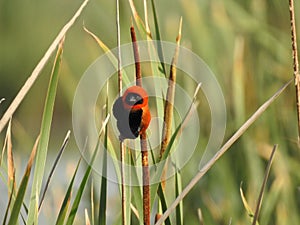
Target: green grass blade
[
  {"x": 110, "y": 55},
  {"x": 140, "y": 24},
  {"x": 66, "y": 202},
  {"x": 45, "y": 134},
  {"x": 159, "y": 171},
  {"x": 163, "y": 202},
  {"x": 63, "y": 147},
  {"x": 103, "y": 187},
  {"x": 137, "y": 197},
  {"x": 103, "y": 198},
  {"x": 137, "y": 200},
  {"x": 127, "y": 187},
  {"x": 83, "y": 183},
  {"x": 158, "y": 37},
  {"x": 22, "y": 189},
  {"x": 113, "y": 154},
  {"x": 8, "y": 205},
  {"x": 80, "y": 191},
  {"x": 178, "y": 190}
]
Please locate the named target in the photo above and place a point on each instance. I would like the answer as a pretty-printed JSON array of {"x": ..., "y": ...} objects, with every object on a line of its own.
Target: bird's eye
[{"x": 133, "y": 99}]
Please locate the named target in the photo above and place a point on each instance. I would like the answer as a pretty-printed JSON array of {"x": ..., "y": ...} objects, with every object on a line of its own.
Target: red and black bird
[{"x": 132, "y": 112}]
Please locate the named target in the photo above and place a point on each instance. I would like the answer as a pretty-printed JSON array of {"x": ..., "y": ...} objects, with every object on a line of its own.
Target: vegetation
[{"x": 247, "y": 45}]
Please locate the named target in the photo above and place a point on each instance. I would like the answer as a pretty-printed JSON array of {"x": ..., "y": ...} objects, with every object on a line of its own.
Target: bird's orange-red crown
[{"x": 135, "y": 90}]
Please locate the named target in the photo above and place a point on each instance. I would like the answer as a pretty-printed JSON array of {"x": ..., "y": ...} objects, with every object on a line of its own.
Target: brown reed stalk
[
  {"x": 138, "y": 72},
  {"x": 146, "y": 179},
  {"x": 168, "y": 112},
  {"x": 143, "y": 136},
  {"x": 295, "y": 62}
]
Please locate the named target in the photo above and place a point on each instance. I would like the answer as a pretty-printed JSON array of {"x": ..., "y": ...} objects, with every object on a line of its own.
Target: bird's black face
[{"x": 134, "y": 99}]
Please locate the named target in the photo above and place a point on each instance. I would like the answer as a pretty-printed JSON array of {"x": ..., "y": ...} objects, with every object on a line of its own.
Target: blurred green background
[{"x": 247, "y": 45}]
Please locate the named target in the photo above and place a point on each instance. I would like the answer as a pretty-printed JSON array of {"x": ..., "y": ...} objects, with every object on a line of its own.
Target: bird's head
[{"x": 135, "y": 97}]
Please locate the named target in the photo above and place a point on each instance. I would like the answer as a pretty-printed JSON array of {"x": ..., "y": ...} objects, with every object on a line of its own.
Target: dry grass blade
[
  {"x": 87, "y": 219},
  {"x": 10, "y": 161},
  {"x": 133, "y": 9},
  {"x": 120, "y": 85},
  {"x": 3, "y": 149},
  {"x": 258, "y": 206},
  {"x": 200, "y": 217},
  {"x": 137, "y": 18},
  {"x": 245, "y": 202},
  {"x": 135, "y": 211},
  {"x": 32, "y": 155},
  {"x": 116, "y": 61},
  {"x": 295, "y": 61},
  {"x": 100, "y": 43},
  {"x": 22, "y": 188},
  {"x": 146, "y": 19},
  {"x": 221, "y": 152},
  {"x": 37, "y": 70},
  {"x": 119, "y": 48}
]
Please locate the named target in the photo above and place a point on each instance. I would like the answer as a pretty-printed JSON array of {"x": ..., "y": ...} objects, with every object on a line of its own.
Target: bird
[{"x": 132, "y": 112}]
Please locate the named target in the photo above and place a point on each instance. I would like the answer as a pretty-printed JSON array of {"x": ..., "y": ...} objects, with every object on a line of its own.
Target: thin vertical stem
[
  {"x": 294, "y": 37},
  {"x": 295, "y": 61},
  {"x": 122, "y": 149},
  {"x": 122, "y": 158},
  {"x": 259, "y": 201},
  {"x": 119, "y": 49}
]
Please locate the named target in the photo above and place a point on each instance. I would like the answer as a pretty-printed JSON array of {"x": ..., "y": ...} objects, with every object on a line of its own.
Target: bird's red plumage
[{"x": 132, "y": 112}]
